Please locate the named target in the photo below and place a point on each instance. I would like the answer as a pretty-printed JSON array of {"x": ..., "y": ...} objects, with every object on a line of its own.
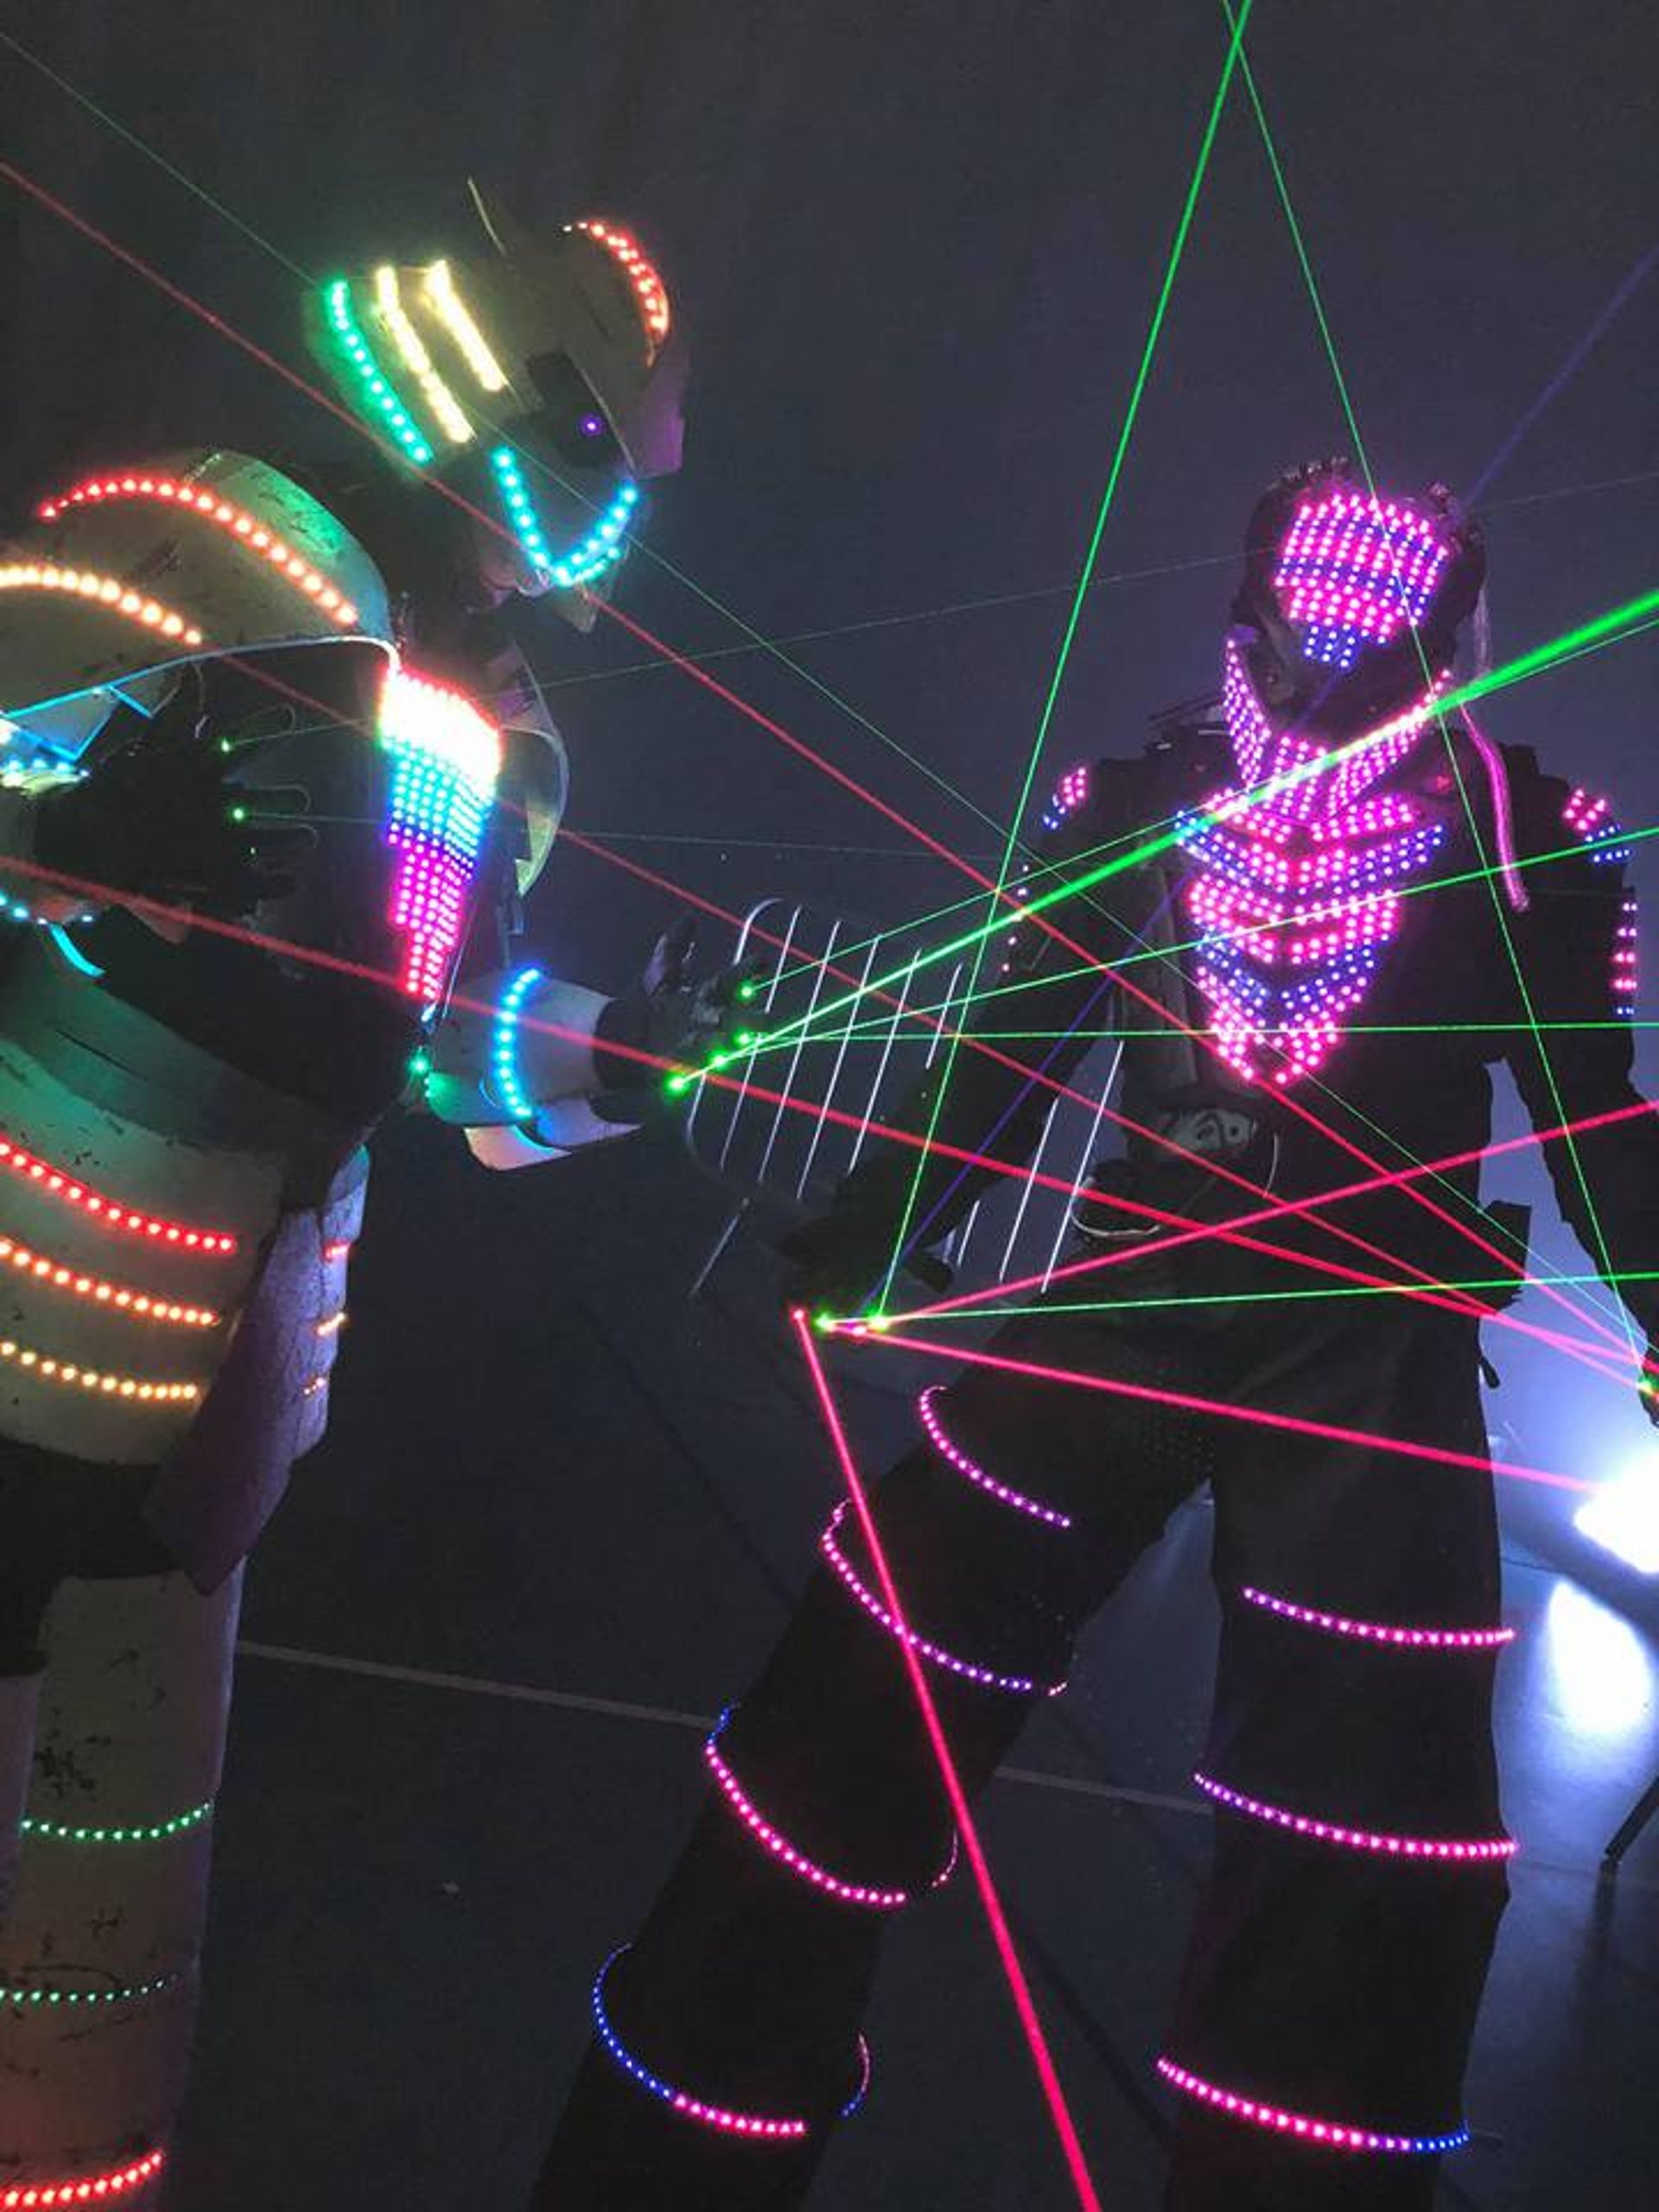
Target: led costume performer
[
  {"x": 190, "y": 650},
  {"x": 1338, "y": 939}
]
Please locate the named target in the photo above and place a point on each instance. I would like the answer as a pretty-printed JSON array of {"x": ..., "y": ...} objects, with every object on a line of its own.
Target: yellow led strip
[
  {"x": 104, "y": 1293},
  {"x": 46, "y": 575},
  {"x": 389, "y": 306},
  {"x": 91, "y": 1379},
  {"x": 451, "y": 310}
]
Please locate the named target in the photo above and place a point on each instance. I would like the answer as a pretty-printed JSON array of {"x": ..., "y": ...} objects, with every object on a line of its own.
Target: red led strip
[
  {"x": 649, "y": 288},
  {"x": 109, "y": 591},
  {"x": 92, "y": 2189},
  {"x": 110, "y": 1215},
  {"x": 208, "y": 505}
]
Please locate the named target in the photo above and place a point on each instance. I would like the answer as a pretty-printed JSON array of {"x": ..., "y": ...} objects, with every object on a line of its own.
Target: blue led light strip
[
  {"x": 504, "y": 1057},
  {"x": 601, "y": 548}
]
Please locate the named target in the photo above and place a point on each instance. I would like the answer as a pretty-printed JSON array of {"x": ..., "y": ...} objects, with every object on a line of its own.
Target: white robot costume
[{"x": 273, "y": 781}]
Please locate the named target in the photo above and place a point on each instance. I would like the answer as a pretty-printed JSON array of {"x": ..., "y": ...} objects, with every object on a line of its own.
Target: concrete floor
[{"x": 554, "y": 1530}]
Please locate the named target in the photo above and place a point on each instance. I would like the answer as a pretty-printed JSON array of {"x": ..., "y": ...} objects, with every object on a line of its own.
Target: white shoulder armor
[{"x": 125, "y": 577}]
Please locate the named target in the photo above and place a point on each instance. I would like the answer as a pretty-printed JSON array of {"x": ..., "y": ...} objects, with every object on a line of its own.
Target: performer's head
[
  {"x": 1351, "y": 602},
  {"x": 534, "y": 385}
]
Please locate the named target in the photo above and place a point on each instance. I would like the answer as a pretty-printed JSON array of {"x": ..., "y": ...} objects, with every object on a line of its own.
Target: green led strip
[
  {"x": 63, "y": 1832},
  {"x": 133, "y": 1993},
  {"x": 378, "y": 388}
]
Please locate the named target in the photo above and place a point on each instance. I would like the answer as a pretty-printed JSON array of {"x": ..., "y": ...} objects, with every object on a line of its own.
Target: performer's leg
[
  {"x": 98, "y": 1955},
  {"x": 1329, "y": 1983},
  {"x": 746, "y": 1987}
]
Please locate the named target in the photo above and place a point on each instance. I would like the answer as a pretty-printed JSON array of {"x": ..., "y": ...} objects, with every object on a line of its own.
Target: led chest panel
[
  {"x": 446, "y": 758},
  {"x": 1295, "y": 898},
  {"x": 1355, "y": 570}
]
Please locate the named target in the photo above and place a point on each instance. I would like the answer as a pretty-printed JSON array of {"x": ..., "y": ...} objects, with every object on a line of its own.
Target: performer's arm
[{"x": 1577, "y": 948}]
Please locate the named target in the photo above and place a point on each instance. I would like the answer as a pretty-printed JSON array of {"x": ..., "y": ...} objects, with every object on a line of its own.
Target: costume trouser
[
  {"x": 114, "y": 1694},
  {"x": 1323, "y": 1979}
]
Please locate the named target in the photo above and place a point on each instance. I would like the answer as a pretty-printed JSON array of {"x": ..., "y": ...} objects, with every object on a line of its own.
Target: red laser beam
[
  {"x": 1185, "y": 1401},
  {"x": 1001, "y": 1935}
]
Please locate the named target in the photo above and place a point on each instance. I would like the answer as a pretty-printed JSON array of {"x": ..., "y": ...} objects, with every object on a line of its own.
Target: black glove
[
  {"x": 164, "y": 818},
  {"x": 839, "y": 1263},
  {"x": 668, "y": 1015}
]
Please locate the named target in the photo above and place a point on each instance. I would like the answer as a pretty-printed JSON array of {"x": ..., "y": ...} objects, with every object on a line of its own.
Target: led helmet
[
  {"x": 538, "y": 377},
  {"x": 1352, "y": 600}
]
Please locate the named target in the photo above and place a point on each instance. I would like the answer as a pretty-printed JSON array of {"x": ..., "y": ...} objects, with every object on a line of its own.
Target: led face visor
[
  {"x": 1354, "y": 571},
  {"x": 412, "y": 357}
]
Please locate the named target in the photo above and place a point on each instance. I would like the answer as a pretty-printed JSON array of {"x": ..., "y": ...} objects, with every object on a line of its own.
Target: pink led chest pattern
[
  {"x": 763, "y": 2126},
  {"x": 986, "y": 1678},
  {"x": 1354, "y": 571},
  {"x": 1336, "y": 2133},
  {"x": 976, "y": 1474},
  {"x": 89, "y": 2188},
  {"x": 1438, "y": 1639},
  {"x": 856, "y": 1893},
  {"x": 1295, "y": 896},
  {"x": 105, "y": 1210},
  {"x": 1394, "y": 1847},
  {"x": 200, "y": 499},
  {"x": 446, "y": 759}
]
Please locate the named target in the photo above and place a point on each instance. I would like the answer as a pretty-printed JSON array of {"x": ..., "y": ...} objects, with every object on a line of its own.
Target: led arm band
[
  {"x": 1335, "y": 2134},
  {"x": 976, "y": 1474},
  {"x": 763, "y": 2126},
  {"x": 504, "y": 1051},
  {"x": 1399, "y": 1846},
  {"x": 985, "y": 1677},
  {"x": 88, "y": 2188},
  {"x": 202, "y": 500},
  {"x": 856, "y": 1893},
  {"x": 1443, "y": 1639}
]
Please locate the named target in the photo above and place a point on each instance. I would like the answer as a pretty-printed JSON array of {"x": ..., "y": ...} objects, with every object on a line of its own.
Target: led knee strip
[
  {"x": 976, "y": 1474},
  {"x": 1401, "y": 1846},
  {"x": 1444, "y": 1639},
  {"x": 763, "y": 2126},
  {"x": 986, "y": 1678},
  {"x": 1335, "y": 2133}
]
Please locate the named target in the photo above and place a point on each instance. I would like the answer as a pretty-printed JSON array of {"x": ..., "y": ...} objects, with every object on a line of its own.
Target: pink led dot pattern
[
  {"x": 1425, "y": 1639},
  {"x": 1481, "y": 1848},
  {"x": 106, "y": 1211},
  {"x": 971, "y": 1470},
  {"x": 986, "y": 1678},
  {"x": 770, "y": 1840},
  {"x": 108, "y": 591},
  {"x": 87, "y": 2189},
  {"x": 1335, "y": 2135},
  {"x": 649, "y": 289},
  {"x": 446, "y": 761},
  {"x": 767, "y": 2127},
  {"x": 200, "y": 499},
  {"x": 1355, "y": 570},
  {"x": 1071, "y": 793}
]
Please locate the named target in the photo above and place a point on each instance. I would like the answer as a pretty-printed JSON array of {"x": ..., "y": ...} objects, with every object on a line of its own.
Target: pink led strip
[
  {"x": 92, "y": 2189},
  {"x": 1394, "y": 1846},
  {"x": 104, "y": 1294},
  {"x": 208, "y": 504},
  {"x": 976, "y": 1474},
  {"x": 1337, "y": 2134},
  {"x": 858, "y": 1893},
  {"x": 986, "y": 1678},
  {"x": 1442, "y": 1639},
  {"x": 110, "y": 1215},
  {"x": 109, "y": 591}
]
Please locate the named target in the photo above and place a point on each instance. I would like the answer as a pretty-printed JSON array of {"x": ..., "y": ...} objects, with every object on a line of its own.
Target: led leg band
[
  {"x": 1401, "y": 1846},
  {"x": 1437, "y": 1639},
  {"x": 986, "y": 1678},
  {"x": 764, "y": 2126},
  {"x": 856, "y": 1893},
  {"x": 1335, "y": 2134},
  {"x": 89, "y": 2188},
  {"x": 158, "y": 1832},
  {"x": 976, "y": 1474}
]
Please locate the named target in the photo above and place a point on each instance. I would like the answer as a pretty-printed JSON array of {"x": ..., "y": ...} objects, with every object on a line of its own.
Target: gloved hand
[
  {"x": 165, "y": 818},
  {"x": 669, "y": 1016},
  {"x": 838, "y": 1263}
]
